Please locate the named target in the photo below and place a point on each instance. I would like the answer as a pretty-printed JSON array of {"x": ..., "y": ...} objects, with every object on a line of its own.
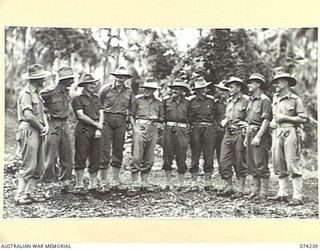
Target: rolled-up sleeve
[
  {"x": 76, "y": 104},
  {"x": 301, "y": 111},
  {"x": 266, "y": 109},
  {"x": 26, "y": 102}
]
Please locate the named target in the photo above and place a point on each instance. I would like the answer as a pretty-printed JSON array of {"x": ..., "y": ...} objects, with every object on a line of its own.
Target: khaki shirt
[
  {"x": 290, "y": 105},
  {"x": 236, "y": 108},
  {"x": 56, "y": 101},
  {"x": 259, "y": 108},
  {"x": 116, "y": 101},
  {"x": 144, "y": 107},
  {"x": 29, "y": 98}
]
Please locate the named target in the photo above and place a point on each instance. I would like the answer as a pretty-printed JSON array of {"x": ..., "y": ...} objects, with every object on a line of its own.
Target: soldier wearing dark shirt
[
  {"x": 88, "y": 132},
  {"x": 202, "y": 116},
  {"x": 116, "y": 101},
  {"x": 146, "y": 111},
  {"x": 258, "y": 139},
  {"x": 58, "y": 142},
  {"x": 176, "y": 135}
]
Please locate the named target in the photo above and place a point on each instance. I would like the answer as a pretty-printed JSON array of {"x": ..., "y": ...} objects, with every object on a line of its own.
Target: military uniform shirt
[
  {"x": 116, "y": 101},
  {"x": 236, "y": 108},
  {"x": 259, "y": 108},
  {"x": 202, "y": 109},
  {"x": 90, "y": 104},
  {"x": 176, "y": 111},
  {"x": 56, "y": 101},
  {"x": 30, "y": 99},
  {"x": 144, "y": 107},
  {"x": 290, "y": 105}
]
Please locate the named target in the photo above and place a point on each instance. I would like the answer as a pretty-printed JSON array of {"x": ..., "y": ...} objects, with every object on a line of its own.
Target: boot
[
  {"x": 297, "y": 192},
  {"x": 93, "y": 183},
  {"x": 20, "y": 197},
  {"x": 31, "y": 191},
  {"x": 168, "y": 174},
  {"x": 145, "y": 185},
  {"x": 240, "y": 193},
  {"x": 256, "y": 188},
  {"x": 116, "y": 185},
  {"x": 134, "y": 188},
  {"x": 104, "y": 184},
  {"x": 208, "y": 182},
  {"x": 194, "y": 183},
  {"x": 181, "y": 179},
  {"x": 282, "y": 195},
  {"x": 79, "y": 180},
  {"x": 264, "y": 188},
  {"x": 228, "y": 190}
]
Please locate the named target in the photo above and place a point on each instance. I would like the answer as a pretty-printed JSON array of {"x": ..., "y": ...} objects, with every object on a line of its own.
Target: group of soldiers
[{"x": 230, "y": 124}]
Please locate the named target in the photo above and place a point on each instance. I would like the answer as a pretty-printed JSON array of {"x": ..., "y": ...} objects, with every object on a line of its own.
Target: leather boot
[
  {"x": 79, "y": 180},
  {"x": 104, "y": 183},
  {"x": 181, "y": 178},
  {"x": 228, "y": 190},
  {"x": 297, "y": 192},
  {"x": 145, "y": 185},
  {"x": 134, "y": 187},
  {"x": 256, "y": 188},
  {"x": 116, "y": 185},
  {"x": 282, "y": 195},
  {"x": 20, "y": 197},
  {"x": 168, "y": 174},
  {"x": 194, "y": 183},
  {"x": 264, "y": 188},
  {"x": 93, "y": 184},
  {"x": 240, "y": 193}
]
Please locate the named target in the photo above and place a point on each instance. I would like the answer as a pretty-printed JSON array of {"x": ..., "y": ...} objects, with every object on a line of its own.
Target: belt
[
  {"x": 286, "y": 125},
  {"x": 254, "y": 128},
  {"x": 177, "y": 124},
  {"x": 59, "y": 119},
  {"x": 143, "y": 121},
  {"x": 204, "y": 123}
]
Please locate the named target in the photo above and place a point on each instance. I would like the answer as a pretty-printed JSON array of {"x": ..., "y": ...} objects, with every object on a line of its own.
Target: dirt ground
[{"x": 157, "y": 204}]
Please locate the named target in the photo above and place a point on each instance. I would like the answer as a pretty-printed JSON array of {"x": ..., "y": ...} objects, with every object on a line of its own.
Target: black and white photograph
[{"x": 161, "y": 123}]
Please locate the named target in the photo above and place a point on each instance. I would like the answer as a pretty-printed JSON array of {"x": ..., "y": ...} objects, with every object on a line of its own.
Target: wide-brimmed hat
[
  {"x": 87, "y": 78},
  {"x": 177, "y": 83},
  {"x": 237, "y": 81},
  {"x": 121, "y": 71},
  {"x": 221, "y": 85},
  {"x": 36, "y": 71},
  {"x": 66, "y": 73},
  {"x": 281, "y": 75},
  {"x": 150, "y": 83},
  {"x": 201, "y": 83},
  {"x": 257, "y": 78}
]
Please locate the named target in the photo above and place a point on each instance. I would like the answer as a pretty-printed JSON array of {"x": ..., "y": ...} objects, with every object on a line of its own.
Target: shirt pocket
[
  {"x": 57, "y": 103},
  {"x": 290, "y": 110},
  {"x": 241, "y": 111},
  {"x": 154, "y": 110}
]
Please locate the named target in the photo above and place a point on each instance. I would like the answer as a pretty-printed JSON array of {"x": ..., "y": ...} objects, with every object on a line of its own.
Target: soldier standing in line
[
  {"x": 33, "y": 126},
  {"x": 58, "y": 141},
  {"x": 176, "y": 135},
  {"x": 202, "y": 113},
  {"x": 221, "y": 95},
  {"x": 288, "y": 114},
  {"x": 89, "y": 112},
  {"x": 146, "y": 111},
  {"x": 232, "y": 148},
  {"x": 116, "y": 101},
  {"x": 258, "y": 139}
]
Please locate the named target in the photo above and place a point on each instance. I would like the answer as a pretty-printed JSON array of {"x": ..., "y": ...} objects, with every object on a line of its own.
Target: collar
[
  {"x": 32, "y": 88},
  {"x": 236, "y": 98},
  {"x": 288, "y": 95},
  {"x": 122, "y": 88}
]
